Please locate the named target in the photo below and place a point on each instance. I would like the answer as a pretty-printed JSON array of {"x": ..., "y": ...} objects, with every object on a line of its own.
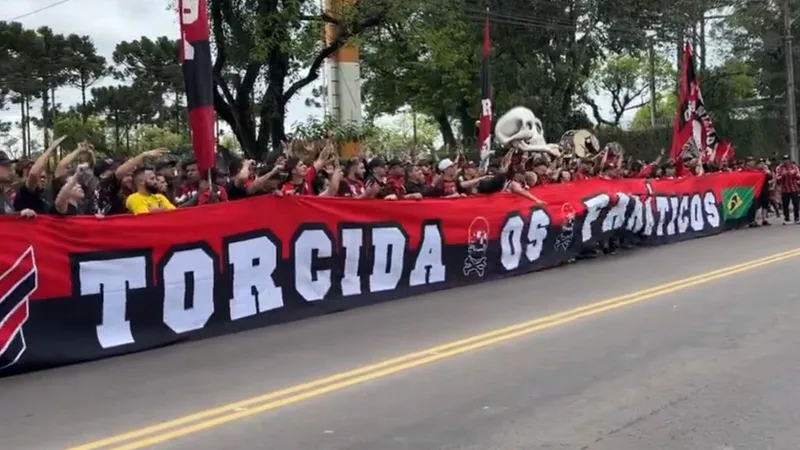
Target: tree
[
  {"x": 268, "y": 51},
  {"x": 149, "y": 137},
  {"x": 52, "y": 62},
  {"x": 78, "y": 128},
  {"x": 726, "y": 87},
  {"x": 397, "y": 137},
  {"x": 666, "y": 105},
  {"x": 754, "y": 31},
  {"x": 542, "y": 55},
  {"x": 625, "y": 79},
  {"x": 153, "y": 67},
  {"x": 427, "y": 60},
  {"x": 113, "y": 103},
  {"x": 85, "y": 68},
  {"x": 21, "y": 49}
]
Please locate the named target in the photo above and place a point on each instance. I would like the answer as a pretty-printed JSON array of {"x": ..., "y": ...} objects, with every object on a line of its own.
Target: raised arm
[
  {"x": 130, "y": 165},
  {"x": 35, "y": 174}
]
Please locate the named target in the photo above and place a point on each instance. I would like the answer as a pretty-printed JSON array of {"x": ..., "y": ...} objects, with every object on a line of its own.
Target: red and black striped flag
[
  {"x": 195, "y": 56},
  {"x": 693, "y": 130},
  {"x": 485, "y": 124}
]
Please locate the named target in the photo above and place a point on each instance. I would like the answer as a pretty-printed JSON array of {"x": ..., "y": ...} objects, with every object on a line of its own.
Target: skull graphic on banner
[{"x": 477, "y": 246}]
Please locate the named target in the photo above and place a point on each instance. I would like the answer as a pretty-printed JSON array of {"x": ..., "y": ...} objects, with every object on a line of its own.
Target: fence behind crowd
[{"x": 79, "y": 288}]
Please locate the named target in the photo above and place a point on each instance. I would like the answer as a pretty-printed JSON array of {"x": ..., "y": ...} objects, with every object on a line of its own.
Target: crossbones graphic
[{"x": 564, "y": 240}]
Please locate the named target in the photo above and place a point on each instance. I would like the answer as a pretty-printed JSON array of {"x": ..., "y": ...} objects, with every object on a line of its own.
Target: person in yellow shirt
[{"x": 147, "y": 198}]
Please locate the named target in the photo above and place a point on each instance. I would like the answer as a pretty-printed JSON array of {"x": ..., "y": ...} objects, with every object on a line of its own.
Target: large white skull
[{"x": 521, "y": 129}]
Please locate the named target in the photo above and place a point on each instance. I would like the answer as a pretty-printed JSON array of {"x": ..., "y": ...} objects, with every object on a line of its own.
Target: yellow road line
[{"x": 273, "y": 400}]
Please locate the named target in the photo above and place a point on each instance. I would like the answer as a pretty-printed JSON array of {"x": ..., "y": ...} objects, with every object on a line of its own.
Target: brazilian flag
[{"x": 736, "y": 202}]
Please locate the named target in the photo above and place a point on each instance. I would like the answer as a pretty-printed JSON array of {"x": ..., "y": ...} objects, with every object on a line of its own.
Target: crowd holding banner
[{"x": 245, "y": 244}]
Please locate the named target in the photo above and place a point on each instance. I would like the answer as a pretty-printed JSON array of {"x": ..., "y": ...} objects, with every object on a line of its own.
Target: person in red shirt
[
  {"x": 447, "y": 183},
  {"x": 541, "y": 169},
  {"x": 191, "y": 182},
  {"x": 584, "y": 171},
  {"x": 427, "y": 171},
  {"x": 300, "y": 177},
  {"x": 395, "y": 180},
  {"x": 208, "y": 193},
  {"x": 352, "y": 184},
  {"x": 669, "y": 170},
  {"x": 787, "y": 175}
]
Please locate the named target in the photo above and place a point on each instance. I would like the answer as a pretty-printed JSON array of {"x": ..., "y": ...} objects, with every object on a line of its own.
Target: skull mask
[{"x": 521, "y": 129}]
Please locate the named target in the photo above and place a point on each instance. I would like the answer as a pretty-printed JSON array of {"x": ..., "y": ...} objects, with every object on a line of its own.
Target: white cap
[{"x": 445, "y": 164}]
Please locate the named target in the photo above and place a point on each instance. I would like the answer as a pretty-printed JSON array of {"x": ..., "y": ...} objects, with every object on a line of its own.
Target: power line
[{"x": 43, "y": 8}]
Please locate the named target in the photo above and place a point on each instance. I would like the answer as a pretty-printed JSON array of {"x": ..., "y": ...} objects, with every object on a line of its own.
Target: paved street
[{"x": 712, "y": 367}]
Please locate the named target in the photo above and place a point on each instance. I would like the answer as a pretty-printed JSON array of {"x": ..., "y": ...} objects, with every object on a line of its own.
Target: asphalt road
[{"x": 708, "y": 367}]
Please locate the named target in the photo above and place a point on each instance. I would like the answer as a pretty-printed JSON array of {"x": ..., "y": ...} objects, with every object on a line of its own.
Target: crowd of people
[{"x": 82, "y": 183}]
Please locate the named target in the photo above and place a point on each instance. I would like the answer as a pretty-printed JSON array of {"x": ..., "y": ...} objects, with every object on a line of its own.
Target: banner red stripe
[
  {"x": 66, "y": 240},
  {"x": 12, "y": 325},
  {"x": 16, "y": 274}
]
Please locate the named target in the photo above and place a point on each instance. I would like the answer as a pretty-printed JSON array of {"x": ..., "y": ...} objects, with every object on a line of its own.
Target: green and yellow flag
[{"x": 736, "y": 202}]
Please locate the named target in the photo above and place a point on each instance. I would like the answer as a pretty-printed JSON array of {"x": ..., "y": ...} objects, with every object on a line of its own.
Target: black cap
[
  {"x": 188, "y": 162},
  {"x": 272, "y": 158},
  {"x": 394, "y": 162},
  {"x": 350, "y": 163},
  {"x": 103, "y": 166},
  {"x": 376, "y": 162},
  {"x": 785, "y": 157},
  {"x": 164, "y": 164}
]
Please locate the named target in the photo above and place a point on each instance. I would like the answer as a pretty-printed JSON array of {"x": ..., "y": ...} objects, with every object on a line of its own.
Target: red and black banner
[
  {"x": 80, "y": 288},
  {"x": 693, "y": 130},
  {"x": 195, "y": 52},
  {"x": 485, "y": 124}
]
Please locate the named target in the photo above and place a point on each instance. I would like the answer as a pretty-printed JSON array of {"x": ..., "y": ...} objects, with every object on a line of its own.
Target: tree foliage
[
  {"x": 625, "y": 80},
  {"x": 666, "y": 105},
  {"x": 36, "y": 64},
  {"x": 267, "y": 51},
  {"x": 555, "y": 57}
]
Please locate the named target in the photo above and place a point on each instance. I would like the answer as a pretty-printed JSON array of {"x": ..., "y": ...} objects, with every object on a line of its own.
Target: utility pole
[
  {"x": 652, "y": 82},
  {"x": 790, "y": 108}
]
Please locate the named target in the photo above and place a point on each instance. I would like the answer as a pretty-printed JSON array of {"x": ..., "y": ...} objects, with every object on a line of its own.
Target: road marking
[{"x": 214, "y": 417}]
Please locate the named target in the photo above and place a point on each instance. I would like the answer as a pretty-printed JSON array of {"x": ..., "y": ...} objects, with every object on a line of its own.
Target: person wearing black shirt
[
  {"x": 169, "y": 170},
  {"x": 377, "y": 179},
  {"x": 109, "y": 196},
  {"x": 31, "y": 193},
  {"x": 241, "y": 178},
  {"x": 70, "y": 196},
  {"x": 415, "y": 183}
]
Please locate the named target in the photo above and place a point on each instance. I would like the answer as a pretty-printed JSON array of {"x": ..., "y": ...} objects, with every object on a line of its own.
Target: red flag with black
[
  {"x": 195, "y": 56},
  {"x": 693, "y": 132}
]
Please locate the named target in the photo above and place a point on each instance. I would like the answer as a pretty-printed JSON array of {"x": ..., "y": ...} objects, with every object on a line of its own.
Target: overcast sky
[{"x": 109, "y": 22}]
